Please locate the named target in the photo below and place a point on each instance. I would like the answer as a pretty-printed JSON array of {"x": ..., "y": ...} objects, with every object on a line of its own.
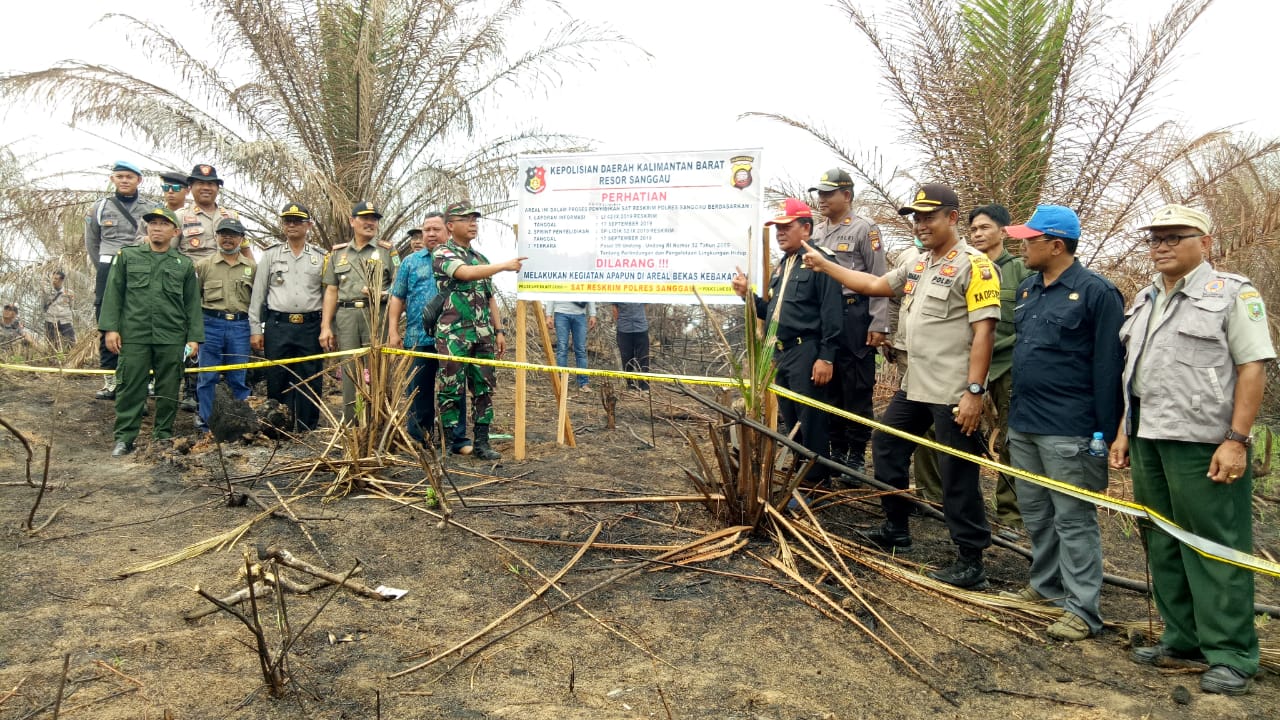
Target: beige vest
[{"x": 1188, "y": 377}]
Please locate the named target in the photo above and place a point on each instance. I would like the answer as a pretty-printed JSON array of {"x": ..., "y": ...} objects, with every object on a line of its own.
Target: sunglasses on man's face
[{"x": 172, "y": 187}]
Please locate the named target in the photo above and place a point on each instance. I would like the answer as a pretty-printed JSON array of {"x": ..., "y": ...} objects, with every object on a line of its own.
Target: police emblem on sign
[
  {"x": 535, "y": 180},
  {"x": 741, "y": 169}
]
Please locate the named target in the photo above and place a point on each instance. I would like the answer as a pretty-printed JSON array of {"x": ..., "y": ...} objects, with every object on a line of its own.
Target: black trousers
[
  {"x": 281, "y": 340},
  {"x": 795, "y": 373},
  {"x": 854, "y": 381},
  {"x": 961, "y": 494},
  {"x": 633, "y": 347},
  {"x": 107, "y": 360}
]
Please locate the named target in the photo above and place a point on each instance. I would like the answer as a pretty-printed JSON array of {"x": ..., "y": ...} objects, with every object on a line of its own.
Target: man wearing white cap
[{"x": 1197, "y": 343}]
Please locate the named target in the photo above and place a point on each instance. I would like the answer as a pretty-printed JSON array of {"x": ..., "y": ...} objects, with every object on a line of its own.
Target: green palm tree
[{"x": 330, "y": 101}]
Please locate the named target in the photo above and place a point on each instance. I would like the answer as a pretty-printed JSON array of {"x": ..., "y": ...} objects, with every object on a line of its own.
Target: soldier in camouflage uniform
[
  {"x": 356, "y": 277},
  {"x": 470, "y": 325}
]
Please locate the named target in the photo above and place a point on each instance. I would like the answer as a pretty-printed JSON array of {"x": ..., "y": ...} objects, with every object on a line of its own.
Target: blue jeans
[
  {"x": 226, "y": 342},
  {"x": 577, "y": 326}
]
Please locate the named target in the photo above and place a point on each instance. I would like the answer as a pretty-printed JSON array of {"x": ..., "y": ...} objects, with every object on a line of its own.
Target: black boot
[
  {"x": 966, "y": 572},
  {"x": 482, "y": 449}
]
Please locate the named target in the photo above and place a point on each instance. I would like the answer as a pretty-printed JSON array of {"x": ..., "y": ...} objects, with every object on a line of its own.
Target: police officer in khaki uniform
[
  {"x": 356, "y": 277},
  {"x": 284, "y": 316},
  {"x": 226, "y": 286},
  {"x": 198, "y": 238},
  {"x": 951, "y": 302},
  {"x": 856, "y": 244},
  {"x": 1198, "y": 345},
  {"x": 113, "y": 223}
]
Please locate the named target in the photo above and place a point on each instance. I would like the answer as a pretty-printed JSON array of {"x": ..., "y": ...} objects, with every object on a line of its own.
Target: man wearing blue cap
[
  {"x": 115, "y": 222},
  {"x": 1066, "y": 387}
]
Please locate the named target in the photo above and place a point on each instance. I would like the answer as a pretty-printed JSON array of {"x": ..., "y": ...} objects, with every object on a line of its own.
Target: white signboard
[{"x": 638, "y": 227}]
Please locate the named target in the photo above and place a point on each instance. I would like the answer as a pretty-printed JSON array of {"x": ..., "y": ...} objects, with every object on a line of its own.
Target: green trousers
[
  {"x": 136, "y": 363},
  {"x": 1205, "y": 603}
]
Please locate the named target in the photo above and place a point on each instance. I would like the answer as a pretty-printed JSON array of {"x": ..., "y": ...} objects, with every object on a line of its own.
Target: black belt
[
  {"x": 354, "y": 303},
  {"x": 294, "y": 318},
  {"x": 781, "y": 344},
  {"x": 228, "y": 316}
]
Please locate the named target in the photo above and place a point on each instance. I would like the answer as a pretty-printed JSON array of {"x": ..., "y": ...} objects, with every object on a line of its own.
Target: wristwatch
[
  {"x": 976, "y": 388},
  {"x": 1246, "y": 440}
]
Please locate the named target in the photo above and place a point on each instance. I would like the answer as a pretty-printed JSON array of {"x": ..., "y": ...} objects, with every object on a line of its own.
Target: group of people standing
[
  {"x": 194, "y": 292},
  {"x": 1171, "y": 386}
]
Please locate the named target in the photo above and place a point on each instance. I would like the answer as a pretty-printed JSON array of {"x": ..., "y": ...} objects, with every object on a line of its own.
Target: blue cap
[
  {"x": 1052, "y": 220},
  {"x": 126, "y": 165}
]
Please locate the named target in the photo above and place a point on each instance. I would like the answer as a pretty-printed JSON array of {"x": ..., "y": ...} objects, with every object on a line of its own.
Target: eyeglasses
[
  {"x": 1154, "y": 241},
  {"x": 172, "y": 187}
]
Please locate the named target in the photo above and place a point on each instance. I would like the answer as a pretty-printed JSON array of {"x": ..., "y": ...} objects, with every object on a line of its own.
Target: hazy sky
[{"x": 709, "y": 61}]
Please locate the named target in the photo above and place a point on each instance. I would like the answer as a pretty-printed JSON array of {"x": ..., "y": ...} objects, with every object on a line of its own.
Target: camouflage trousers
[{"x": 455, "y": 376}]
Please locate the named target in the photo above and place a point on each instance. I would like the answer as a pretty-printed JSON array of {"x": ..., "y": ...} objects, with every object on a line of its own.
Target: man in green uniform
[
  {"x": 150, "y": 309},
  {"x": 986, "y": 233},
  {"x": 356, "y": 277},
  {"x": 1197, "y": 348},
  {"x": 470, "y": 325}
]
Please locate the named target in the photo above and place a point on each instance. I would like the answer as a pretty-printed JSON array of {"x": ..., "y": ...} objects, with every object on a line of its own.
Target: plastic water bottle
[{"x": 1098, "y": 446}]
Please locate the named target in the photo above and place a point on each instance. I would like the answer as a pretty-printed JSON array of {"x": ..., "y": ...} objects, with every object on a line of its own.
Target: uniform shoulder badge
[
  {"x": 339, "y": 246},
  {"x": 384, "y": 244},
  {"x": 951, "y": 255},
  {"x": 874, "y": 235}
]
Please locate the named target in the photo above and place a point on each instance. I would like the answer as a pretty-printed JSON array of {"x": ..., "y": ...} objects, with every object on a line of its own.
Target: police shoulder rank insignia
[
  {"x": 1256, "y": 311},
  {"x": 951, "y": 255},
  {"x": 949, "y": 270},
  {"x": 842, "y": 247},
  {"x": 1248, "y": 294},
  {"x": 1072, "y": 296},
  {"x": 919, "y": 267},
  {"x": 1214, "y": 286}
]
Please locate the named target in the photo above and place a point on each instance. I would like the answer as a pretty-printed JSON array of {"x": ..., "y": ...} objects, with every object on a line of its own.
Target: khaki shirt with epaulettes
[
  {"x": 225, "y": 287},
  {"x": 857, "y": 246},
  {"x": 287, "y": 283},
  {"x": 942, "y": 297},
  {"x": 351, "y": 269},
  {"x": 198, "y": 238}
]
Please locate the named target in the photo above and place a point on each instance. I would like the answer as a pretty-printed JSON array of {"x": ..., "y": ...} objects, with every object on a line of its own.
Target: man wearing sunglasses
[{"x": 1198, "y": 344}]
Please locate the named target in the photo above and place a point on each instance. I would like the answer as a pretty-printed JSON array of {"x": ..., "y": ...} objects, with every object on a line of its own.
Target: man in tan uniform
[
  {"x": 226, "y": 285},
  {"x": 356, "y": 277}
]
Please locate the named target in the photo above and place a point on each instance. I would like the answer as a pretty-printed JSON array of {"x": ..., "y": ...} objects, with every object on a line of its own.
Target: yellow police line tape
[
  {"x": 1203, "y": 546},
  {"x": 194, "y": 370}
]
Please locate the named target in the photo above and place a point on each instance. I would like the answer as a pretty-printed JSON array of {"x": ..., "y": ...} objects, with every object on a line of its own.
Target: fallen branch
[
  {"x": 286, "y": 558},
  {"x": 44, "y": 482},
  {"x": 25, "y": 443},
  {"x": 1035, "y": 696}
]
